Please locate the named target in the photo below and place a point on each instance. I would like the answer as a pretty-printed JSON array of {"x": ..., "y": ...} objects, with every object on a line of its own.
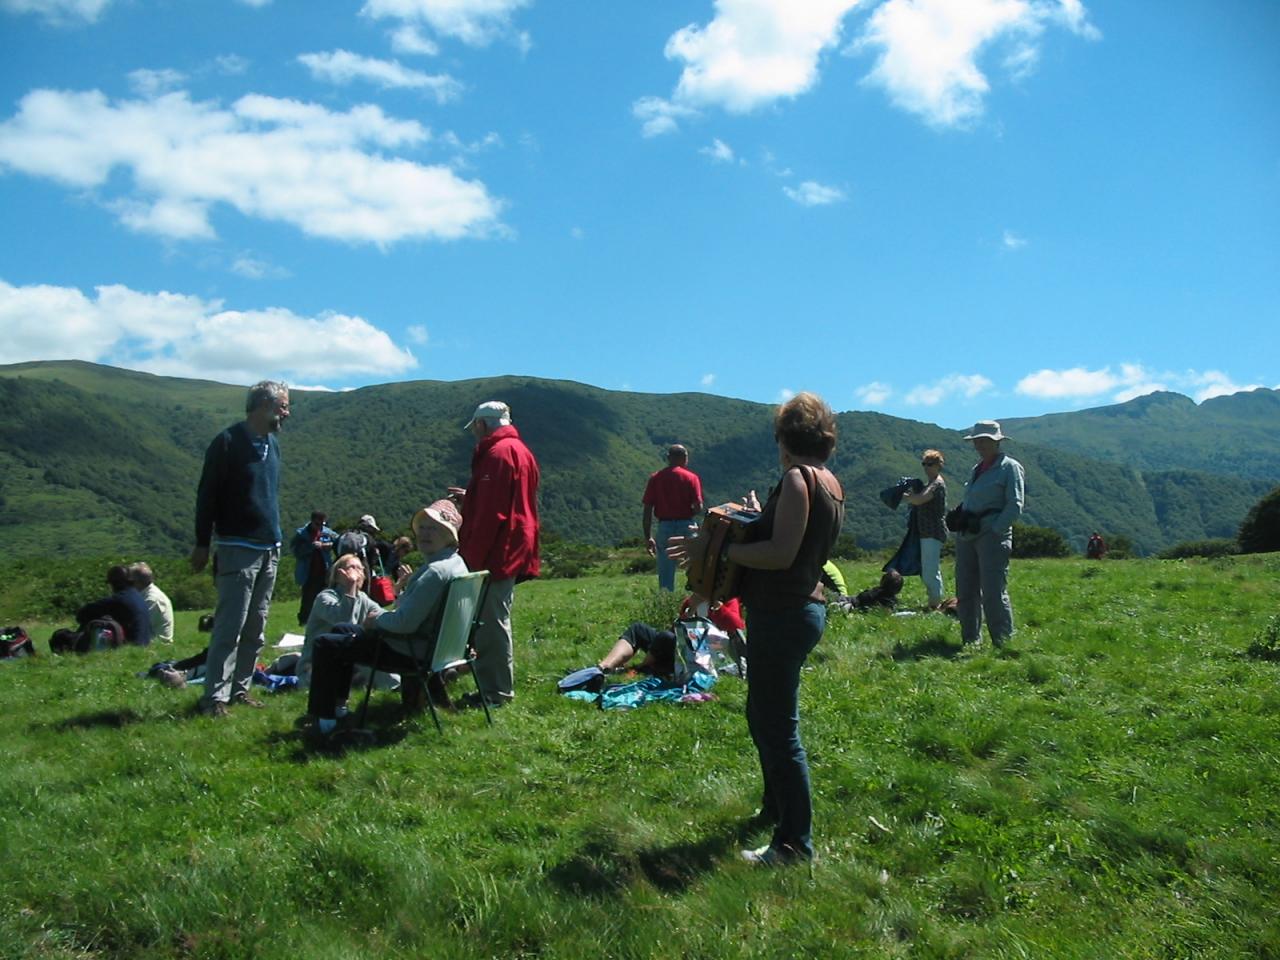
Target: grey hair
[
  {"x": 264, "y": 391},
  {"x": 141, "y": 575}
]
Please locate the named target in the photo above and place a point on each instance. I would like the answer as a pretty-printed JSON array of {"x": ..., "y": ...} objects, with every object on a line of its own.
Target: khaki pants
[{"x": 495, "y": 655}]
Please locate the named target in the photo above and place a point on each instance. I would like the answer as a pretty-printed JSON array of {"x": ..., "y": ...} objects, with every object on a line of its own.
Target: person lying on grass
[
  {"x": 393, "y": 640},
  {"x": 659, "y": 645}
]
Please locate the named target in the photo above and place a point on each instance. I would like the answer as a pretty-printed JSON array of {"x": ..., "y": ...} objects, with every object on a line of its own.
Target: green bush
[
  {"x": 1219, "y": 547},
  {"x": 846, "y": 548},
  {"x": 1266, "y": 645},
  {"x": 1030, "y": 542},
  {"x": 1260, "y": 531}
]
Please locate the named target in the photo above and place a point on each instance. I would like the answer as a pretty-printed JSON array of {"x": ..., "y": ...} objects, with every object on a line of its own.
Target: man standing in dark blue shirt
[{"x": 238, "y": 502}]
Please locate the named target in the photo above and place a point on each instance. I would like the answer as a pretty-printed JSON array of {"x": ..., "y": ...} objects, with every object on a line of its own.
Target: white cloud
[
  {"x": 874, "y": 393},
  {"x": 409, "y": 39},
  {"x": 418, "y": 334},
  {"x": 252, "y": 268},
  {"x": 1215, "y": 383},
  {"x": 232, "y": 64},
  {"x": 180, "y": 335},
  {"x": 813, "y": 194},
  {"x": 719, "y": 151},
  {"x": 324, "y": 172},
  {"x": 343, "y": 67},
  {"x": 58, "y": 11},
  {"x": 474, "y": 22},
  {"x": 929, "y": 49},
  {"x": 785, "y": 394},
  {"x": 152, "y": 83},
  {"x": 1012, "y": 241},
  {"x": 1130, "y": 380},
  {"x": 754, "y": 52},
  {"x": 577, "y": 233},
  {"x": 953, "y": 385},
  {"x": 708, "y": 379},
  {"x": 255, "y": 3},
  {"x": 658, "y": 116},
  {"x": 1075, "y": 382}
]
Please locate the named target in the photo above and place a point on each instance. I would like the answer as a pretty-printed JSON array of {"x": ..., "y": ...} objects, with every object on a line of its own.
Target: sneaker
[
  {"x": 214, "y": 708},
  {"x": 174, "y": 679},
  {"x": 244, "y": 700},
  {"x": 771, "y": 856}
]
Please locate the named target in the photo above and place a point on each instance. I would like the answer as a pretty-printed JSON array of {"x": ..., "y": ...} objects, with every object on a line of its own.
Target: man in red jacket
[{"x": 499, "y": 534}]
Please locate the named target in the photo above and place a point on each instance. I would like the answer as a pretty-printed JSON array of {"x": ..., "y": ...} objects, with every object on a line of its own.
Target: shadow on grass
[
  {"x": 934, "y": 646},
  {"x": 602, "y": 869},
  {"x": 100, "y": 718},
  {"x": 385, "y": 725}
]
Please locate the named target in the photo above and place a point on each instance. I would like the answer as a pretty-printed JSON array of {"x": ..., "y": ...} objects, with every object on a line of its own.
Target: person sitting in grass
[
  {"x": 341, "y": 602},
  {"x": 392, "y": 640},
  {"x": 159, "y": 607},
  {"x": 659, "y": 645}
]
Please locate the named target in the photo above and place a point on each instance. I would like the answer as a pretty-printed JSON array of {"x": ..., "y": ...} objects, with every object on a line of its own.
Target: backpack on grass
[{"x": 14, "y": 642}]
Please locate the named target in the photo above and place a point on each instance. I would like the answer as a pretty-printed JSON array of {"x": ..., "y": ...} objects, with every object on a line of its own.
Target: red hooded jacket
[{"x": 500, "y": 513}]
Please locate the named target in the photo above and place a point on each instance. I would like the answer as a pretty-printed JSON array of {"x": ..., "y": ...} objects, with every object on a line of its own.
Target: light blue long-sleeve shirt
[
  {"x": 1002, "y": 489},
  {"x": 425, "y": 591}
]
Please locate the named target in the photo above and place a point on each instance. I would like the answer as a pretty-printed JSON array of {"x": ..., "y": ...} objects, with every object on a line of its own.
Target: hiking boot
[
  {"x": 214, "y": 708},
  {"x": 174, "y": 679},
  {"x": 771, "y": 856},
  {"x": 244, "y": 700}
]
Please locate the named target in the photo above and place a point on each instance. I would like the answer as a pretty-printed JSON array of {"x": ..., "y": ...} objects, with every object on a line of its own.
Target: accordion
[{"x": 712, "y": 575}]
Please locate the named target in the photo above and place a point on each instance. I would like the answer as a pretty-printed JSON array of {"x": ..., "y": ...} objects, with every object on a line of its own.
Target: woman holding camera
[
  {"x": 931, "y": 507},
  {"x": 785, "y": 612},
  {"x": 993, "y": 500}
]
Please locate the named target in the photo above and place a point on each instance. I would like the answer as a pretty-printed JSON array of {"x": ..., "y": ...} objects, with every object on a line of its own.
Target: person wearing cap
[
  {"x": 393, "y": 640},
  {"x": 994, "y": 495},
  {"x": 674, "y": 496},
  {"x": 239, "y": 500},
  {"x": 360, "y": 541},
  {"x": 499, "y": 534}
]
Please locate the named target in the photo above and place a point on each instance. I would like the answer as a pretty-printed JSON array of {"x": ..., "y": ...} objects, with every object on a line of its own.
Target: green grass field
[{"x": 1109, "y": 788}]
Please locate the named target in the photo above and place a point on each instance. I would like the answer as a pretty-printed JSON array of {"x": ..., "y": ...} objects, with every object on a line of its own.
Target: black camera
[{"x": 960, "y": 520}]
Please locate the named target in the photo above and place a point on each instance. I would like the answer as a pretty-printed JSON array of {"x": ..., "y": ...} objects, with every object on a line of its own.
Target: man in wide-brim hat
[{"x": 994, "y": 495}]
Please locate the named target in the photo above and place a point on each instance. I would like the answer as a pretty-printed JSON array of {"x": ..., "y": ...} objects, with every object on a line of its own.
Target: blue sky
[{"x": 937, "y": 209}]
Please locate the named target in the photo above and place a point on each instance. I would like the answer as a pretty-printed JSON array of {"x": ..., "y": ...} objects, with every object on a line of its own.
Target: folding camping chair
[{"x": 449, "y": 640}]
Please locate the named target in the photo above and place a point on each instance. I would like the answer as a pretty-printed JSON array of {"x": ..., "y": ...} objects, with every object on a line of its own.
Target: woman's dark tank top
[{"x": 799, "y": 583}]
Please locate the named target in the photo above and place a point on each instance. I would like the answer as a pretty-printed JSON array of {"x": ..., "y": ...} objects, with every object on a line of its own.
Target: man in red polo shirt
[{"x": 674, "y": 495}]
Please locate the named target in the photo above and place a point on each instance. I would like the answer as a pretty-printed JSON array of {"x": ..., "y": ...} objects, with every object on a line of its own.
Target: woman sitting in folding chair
[{"x": 394, "y": 640}]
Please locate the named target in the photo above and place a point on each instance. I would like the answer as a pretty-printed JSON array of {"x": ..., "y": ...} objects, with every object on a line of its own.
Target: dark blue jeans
[
  {"x": 778, "y": 642},
  {"x": 336, "y": 656}
]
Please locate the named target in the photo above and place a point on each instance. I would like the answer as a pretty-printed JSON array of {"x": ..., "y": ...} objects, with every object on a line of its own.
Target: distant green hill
[
  {"x": 1231, "y": 436},
  {"x": 96, "y": 459}
]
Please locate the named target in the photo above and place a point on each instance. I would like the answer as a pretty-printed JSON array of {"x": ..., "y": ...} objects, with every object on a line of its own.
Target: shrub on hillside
[
  {"x": 1030, "y": 541},
  {"x": 1260, "y": 531},
  {"x": 1119, "y": 547},
  {"x": 1218, "y": 547},
  {"x": 562, "y": 560},
  {"x": 1266, "y": 645},
  {"x": 846, "y": 548}
]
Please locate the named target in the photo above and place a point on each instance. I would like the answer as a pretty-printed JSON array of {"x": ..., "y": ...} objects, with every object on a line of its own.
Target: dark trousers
[
  {"x": 334, "y": 660},
  {"x": 310, "y": 590},
  {"x": 780, "y": 643}
]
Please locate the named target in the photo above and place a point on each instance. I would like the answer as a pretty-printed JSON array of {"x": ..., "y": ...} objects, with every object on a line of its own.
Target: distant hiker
[
  {"x": 499, "y": 534},
  {"x": 993, "y": 500},
  {"x": 238, "y": 501},
  {"x": 930, "y": 507},
  {"x": 786, "y": 615},
  {"x": 311, "y": 547},
  {"x": 159, "y": 607},
  {"x": 674, "y": 495},
  {"x": 121, "y": 617},
  {"x": 1096, "y": 548}
]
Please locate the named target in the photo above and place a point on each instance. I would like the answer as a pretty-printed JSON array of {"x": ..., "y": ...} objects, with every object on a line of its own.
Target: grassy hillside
[
  {"x": 1233, "y": 436},
  {"x": 100, "y": 460},
  {"x": 1106, "y": 789}
]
